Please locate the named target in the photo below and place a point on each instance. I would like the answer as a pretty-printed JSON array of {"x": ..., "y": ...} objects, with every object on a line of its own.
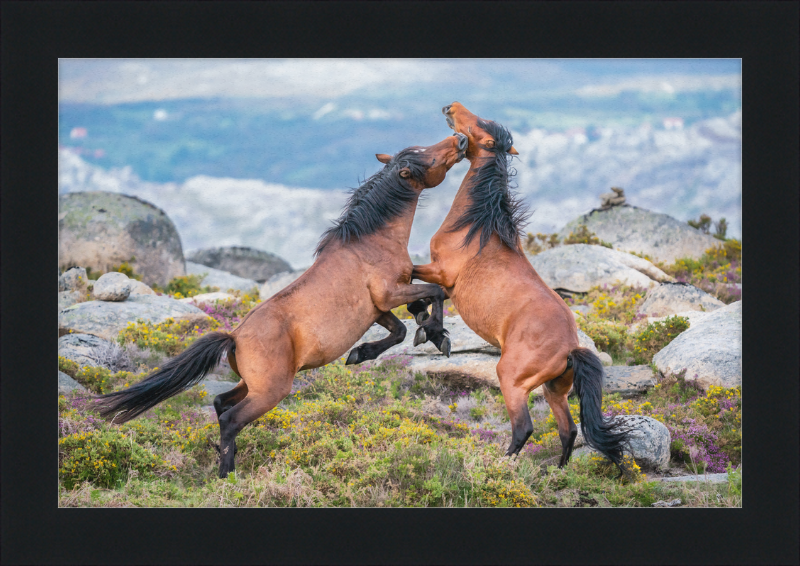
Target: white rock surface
[
  {"x": 112, "y": 287},
  {"x": 579, "y": 267},
  {"x": 73, "y": 279},
  {"x": 207, "y": 298},
  {"x": 711, "y": 349},
  {"x": 139, "y": 288}
]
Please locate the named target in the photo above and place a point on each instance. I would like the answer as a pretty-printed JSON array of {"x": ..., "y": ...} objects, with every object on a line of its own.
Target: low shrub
[
  {"x": 541, "y": 242},
  {"x": 103, "y": 458},
  {"x": 583, "y": 236},
  {"x": 655, "y": 336},
  {"x": 170, "y": 336},
  {"x": 68, "y": 366},
  {"x": 608, "y": 336}
]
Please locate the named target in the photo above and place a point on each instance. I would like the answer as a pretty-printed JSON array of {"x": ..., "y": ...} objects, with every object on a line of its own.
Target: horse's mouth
[{"x": 450, "y": 122}]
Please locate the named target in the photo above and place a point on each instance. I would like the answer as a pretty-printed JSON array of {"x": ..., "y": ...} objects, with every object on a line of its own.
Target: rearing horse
[
  {"x": 501, "y": 297},
  {"x": 362, "y": 262}
]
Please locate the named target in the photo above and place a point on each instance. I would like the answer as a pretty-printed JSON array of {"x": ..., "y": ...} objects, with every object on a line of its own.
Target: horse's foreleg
[
  {"x": 431, "y": 329},
  {"x": 431, "y": 273},
  {"x": 371, "y": 350},
  {"x": 555, "y": 392},
  {"x": 419, "y": 309}
]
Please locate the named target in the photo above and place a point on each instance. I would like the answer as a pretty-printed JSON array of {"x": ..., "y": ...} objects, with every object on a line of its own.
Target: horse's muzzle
[{"x": 463, "y": 142}]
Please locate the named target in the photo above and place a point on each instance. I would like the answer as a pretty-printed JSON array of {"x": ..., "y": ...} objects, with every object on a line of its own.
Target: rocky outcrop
[
  {"x": 67, "y": 385},
  {"x": 278, "y": 282},
  {"x": 672, "y": 298},
  {"x": 633, "y": 229},
  {"x": 106, "y": 319},
  {"x": 615, "y": 198},
  {"x": 241, "y": 261},
  {"x": 223, "y": 280},
  {"x": 580, "y": 267},
  {"x": 649, "y": 441},
  {"x": 112, "y": 287},
  {"x": 81, "y": 348},
  {"x": 102, "y": 230},
  {"x": 68, "y": 298},
  {"x": 709, "y": 351}
]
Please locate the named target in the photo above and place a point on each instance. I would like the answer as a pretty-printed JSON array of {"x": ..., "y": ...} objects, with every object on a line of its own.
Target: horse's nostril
[
  {"x": 463, "y": 141},
  {"x": 446, "y": 109}
]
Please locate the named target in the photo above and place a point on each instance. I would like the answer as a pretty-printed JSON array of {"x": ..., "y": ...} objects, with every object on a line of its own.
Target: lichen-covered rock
[
  {"x": 649, "y": 440},
  {"x": 73, "y": 279},
  {"x": 579, "y": 267},
  {"x": 628, "y": 380},
  {"x": 605, "y": 359},
  {"x": 241, "y": 261},
  {"x": 278, "y": 282},
  {"x": 633, "y": 229},
  {"x": 220, "y": 279},
  {"x": 102, "y": 230},
  {"x": 672, "y": 298},
  {"x": 106, "y": 319},
  {"x": 68, "y": 298},
  {"x": 81, "y": 348},
  {"x": 139, "y": 288},
  {"x": 67, "y": 385},
  {"x": 710, "y": 350},
  {"x": 112, "y": 287}
]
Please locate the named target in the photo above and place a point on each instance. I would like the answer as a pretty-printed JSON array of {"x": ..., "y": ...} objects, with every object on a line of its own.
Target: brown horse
[
  {"x": 501, "y": 297},
  {"x": 362, "y": 264}
]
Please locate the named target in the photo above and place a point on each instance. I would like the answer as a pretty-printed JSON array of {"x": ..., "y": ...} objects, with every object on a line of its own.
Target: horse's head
[
  {"x": 484, "y": 135},
  {"x": 425, "y": 167}
]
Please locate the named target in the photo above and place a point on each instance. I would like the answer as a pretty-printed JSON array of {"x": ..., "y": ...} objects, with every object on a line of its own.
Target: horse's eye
[
  {"x": 405, "y": 173},
  {"x": 489, "y": 144}
]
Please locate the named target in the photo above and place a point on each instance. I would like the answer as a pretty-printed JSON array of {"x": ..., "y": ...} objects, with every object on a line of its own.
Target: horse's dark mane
[
  {"x": 379, "y": 199},
  {"x": 495, "y": 209}
]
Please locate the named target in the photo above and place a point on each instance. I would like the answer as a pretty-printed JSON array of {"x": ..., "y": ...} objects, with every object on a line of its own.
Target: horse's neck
[
  {"x": 399, "y": 229},
  {"x": 463, "y": 198}
]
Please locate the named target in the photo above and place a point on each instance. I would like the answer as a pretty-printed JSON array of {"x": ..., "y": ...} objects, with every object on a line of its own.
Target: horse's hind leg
[
  {"x": 371, "y": 350},
  {"x": 555, "y": 392},
  {"x": 225, "y": 401},
  {"x": 232, "y": 421},
  {"x": 516, "y": 399}
]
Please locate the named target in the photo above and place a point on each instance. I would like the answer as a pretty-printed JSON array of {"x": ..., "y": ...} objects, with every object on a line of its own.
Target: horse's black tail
[
  {"x": 604, "y": 435},
  {"x": 178, "y": 374}
]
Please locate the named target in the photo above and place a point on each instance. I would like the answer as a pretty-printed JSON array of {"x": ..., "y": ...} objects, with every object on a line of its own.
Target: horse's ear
[
  {"x": 513, "y": 151},
  {"x": 383, "y": 158}
]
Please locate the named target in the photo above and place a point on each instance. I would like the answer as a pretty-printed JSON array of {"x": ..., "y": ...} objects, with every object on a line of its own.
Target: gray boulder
[
  {"x": 220, "y": 279},
  {"x": 605, "y": 359},
  {"x": 106, "y": 320},
  {"x": 67, "y": 385},
  {"x": 139, "y": 288},
  {"x": 580, "y": 267},
  {"x": 628, "y": 380},
  {"x": 102, "y": 230},
  {"x": 710, "y": 350},
  {"x": 633, "y": 229},
  {"x": 649, "y": 441},
  {"x": 241, "y": 261},
  {"x": 73, "y": 279},
  {"x": 112, "y": 287},
  {"x": 672, "y": 298},
  {"x": 67, "y": 298},
  {"x": 278, "y": 282}
]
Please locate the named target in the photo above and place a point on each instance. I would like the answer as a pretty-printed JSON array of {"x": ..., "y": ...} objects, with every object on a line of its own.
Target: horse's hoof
[
  {"x": 420, "y": 337},
  {"x": 422, "y": 317},
  {"x": 353, "y": 357},
  {"x": 445, "y": 347}
]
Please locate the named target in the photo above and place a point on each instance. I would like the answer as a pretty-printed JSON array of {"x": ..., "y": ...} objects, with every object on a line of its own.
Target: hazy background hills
[{"x": 261, "y": 152}]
